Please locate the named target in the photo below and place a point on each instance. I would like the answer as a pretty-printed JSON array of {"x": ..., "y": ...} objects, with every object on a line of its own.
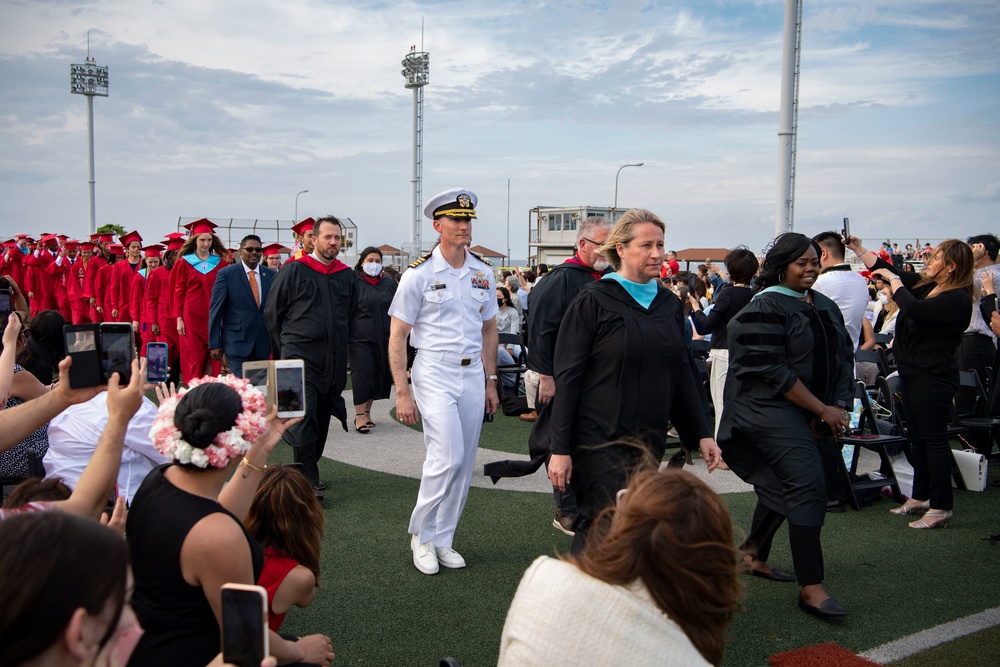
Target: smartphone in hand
[{"x": 244, "y": 625}]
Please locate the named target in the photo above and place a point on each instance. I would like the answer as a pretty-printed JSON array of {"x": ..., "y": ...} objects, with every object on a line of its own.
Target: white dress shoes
[
  {"x": 448, "y": 557},
  {"x": 424, "y": 558}
]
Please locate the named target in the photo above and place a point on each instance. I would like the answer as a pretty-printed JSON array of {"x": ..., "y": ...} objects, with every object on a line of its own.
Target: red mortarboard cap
[
  {"x": 303, "y": 226},
  {"x": 275, "y": 249},
  {"x": 72, "y": 244},
  {"x": 203, "y": 226},
  {"x": 47, "y": 239},
  {"x": 152, "y": 250},
  {"x": 21, "y": 236},
  {"x": 62, "y": 237},
  {"x": 175, "y": 236},
  {"x": 87, "y": 246},
  {"x": 116, "y": 249},
  {"x": 10, "y": 243},
  {"x": 174, "y": 244},
  {"x": 103, "y": 237},
  {"x": 126, "y": 239}
]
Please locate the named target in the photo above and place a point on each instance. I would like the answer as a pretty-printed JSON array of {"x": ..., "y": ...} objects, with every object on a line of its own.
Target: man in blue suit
[{"x": 236, "y": 312}]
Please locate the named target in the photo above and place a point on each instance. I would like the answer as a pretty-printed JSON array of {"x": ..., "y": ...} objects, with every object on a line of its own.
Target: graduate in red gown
[
  {"x": 70, "y": 270},
  {"x": 94, "y": 265},
  {"x": 42, "y": 286},
  {"x": 191, "y": 281},
  {"x": 158, "y": 298},
  {"x": 13, "y": 259},
  {"x": 272, "y": 255},
  {"x": 303, "y": 239},
  {"x": 102, "y": 282},
  {"x": 123, "y": 275},
  {"x": 142, "y": 318}
]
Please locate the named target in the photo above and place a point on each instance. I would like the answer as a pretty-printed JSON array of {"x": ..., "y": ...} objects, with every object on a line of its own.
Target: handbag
[{"x": 972, "y": 467}]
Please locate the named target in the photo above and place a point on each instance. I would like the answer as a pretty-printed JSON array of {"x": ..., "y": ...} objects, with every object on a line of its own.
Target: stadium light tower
[
  {"x": 788, "y": 123},
  {"x": 416, "y": 70},
  {"x": 91, "y": 80}
]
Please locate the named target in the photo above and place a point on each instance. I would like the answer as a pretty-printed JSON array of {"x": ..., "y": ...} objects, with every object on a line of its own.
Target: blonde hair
[
  {"x": 958, "y": 254},
  {"x": 624, "y": 232}
]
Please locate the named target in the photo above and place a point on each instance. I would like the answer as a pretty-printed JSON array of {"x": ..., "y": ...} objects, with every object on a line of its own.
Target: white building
[{"x": 552, "y": 231}]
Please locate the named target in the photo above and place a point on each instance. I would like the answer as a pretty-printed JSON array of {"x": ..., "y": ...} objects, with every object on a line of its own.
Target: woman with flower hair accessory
[{"x": 185, "y": 530}]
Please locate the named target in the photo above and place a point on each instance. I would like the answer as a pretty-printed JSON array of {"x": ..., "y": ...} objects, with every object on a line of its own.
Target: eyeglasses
[
  {"x": 252, "y": 249},
  {"x": 593, "y": 242}
]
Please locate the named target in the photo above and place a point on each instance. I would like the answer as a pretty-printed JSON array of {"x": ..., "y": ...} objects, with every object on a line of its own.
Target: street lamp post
[
  {"x": 91, "y": 80},
  {"x": 614, "y": 209},
  {"x": 296, "y": 220}
]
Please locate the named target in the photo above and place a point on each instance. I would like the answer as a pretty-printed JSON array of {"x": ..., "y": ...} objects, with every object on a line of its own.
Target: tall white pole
[
  {"x": 415, "y": 222},
  {"x": 90, "y": 80},
  {"x": 508, "y": 221},
  {"x": 416, "y": 69},
  {"x": 90, "y": 147},
  {"x": 786, "y": 127}
]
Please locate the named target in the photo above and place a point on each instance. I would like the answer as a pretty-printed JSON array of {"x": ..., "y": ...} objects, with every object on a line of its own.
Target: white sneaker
[
  {"x": 450, "y": 558},
  {"x": 424, "y": 558}
]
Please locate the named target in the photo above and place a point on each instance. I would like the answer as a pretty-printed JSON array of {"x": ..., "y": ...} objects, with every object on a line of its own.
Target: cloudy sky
[{"x": 228, "y": 108}]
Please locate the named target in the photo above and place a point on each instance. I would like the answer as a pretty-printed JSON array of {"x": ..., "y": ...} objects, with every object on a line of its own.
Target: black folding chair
[
  {"x": 867, "y": 436},
  {"x": 700, "y": 348},
  {"x": 520, "y": 361},
  {"x": 981, "y": 420}
]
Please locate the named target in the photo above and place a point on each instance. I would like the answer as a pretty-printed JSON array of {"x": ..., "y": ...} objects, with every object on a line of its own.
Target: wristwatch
[{"x": 492, "y": 377}]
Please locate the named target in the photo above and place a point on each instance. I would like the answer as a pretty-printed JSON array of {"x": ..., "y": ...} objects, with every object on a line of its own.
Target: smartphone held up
[
  {"x": 244, "y": 625},
  {"x": 283, "y": 382},
  {"x": 98, "y": 351}
]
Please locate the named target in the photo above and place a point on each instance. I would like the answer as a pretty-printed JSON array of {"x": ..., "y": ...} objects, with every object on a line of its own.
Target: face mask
[
  {"x": 500, "y": 302},
  {"x": 372, "y": 269},
  {"x": 25, "y": 251},
  {"x": 883, "y": 299},
  {"x": 601, "y": 264}
]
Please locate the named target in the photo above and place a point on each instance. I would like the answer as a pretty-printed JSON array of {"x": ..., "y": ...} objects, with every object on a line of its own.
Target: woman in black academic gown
[
  {"x": 622, "y": 370},
  {"x": 369, "y": 337},
  {"x": 790, "y": 383}
]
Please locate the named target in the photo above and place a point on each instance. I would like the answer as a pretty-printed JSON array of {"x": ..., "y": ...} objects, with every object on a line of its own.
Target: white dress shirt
[
  {"x": 849, "y": 291},
  {"x": 73, "y": 436}
]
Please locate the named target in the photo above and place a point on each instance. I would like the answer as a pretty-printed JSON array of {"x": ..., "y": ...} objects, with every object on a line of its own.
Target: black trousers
[
  {"x": 927, "y": 405},
  {"x": 308, "y": 437},
  {"x": 807, "y": 553}
]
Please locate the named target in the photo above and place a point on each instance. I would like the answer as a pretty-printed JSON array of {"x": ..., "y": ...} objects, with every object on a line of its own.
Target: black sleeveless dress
[{"x": 180, "y": 628}]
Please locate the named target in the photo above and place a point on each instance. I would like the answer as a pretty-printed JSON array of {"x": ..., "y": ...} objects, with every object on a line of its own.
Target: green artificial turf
[
  {"x": 380, "y": 611},
  {"x": 981, "y": 649}
]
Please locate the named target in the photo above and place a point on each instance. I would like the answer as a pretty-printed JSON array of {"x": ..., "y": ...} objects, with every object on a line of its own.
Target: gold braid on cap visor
[{"x": 456, "y": 213}]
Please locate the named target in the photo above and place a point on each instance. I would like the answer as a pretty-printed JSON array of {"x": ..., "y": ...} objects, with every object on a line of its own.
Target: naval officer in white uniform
[{"x": 446, "y": 303}]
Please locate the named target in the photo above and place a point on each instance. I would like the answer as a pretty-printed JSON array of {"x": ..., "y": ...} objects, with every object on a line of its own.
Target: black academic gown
[
  {"x": 371, "y": 377},
  {"x": 307, "y": 314},
  {"x": 621, "y": 371},
  {"x": 765, "y": 438}
]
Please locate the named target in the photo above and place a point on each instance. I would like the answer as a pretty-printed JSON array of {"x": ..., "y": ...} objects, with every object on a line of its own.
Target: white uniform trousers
[
  {"x": 717, "y": 382},
  {"x": 451, "y": 400}
]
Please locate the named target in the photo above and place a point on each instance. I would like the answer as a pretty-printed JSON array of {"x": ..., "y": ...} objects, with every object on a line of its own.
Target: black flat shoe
[
  {"x": 829, "y": 609},
  {"x": 321, "y": 486},
  {"x": 774, "y": 575}
]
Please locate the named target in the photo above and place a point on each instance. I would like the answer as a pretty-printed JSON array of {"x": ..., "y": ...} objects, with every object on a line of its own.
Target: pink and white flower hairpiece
[{"x": 226, "y": 446}]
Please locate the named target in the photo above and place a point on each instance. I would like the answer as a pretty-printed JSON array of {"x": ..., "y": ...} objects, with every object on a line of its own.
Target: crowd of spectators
[{"x": 608, "y": 341}]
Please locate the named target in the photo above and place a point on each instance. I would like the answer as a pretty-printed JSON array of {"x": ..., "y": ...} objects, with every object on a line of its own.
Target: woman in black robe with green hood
[{"x": 790, "y": 384}]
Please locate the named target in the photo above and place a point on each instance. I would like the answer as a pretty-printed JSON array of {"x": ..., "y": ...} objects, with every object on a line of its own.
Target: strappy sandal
[
  {"x": 364, "y": 427},
  {"x": 906, "y": 508},
  {"x": 942, "y": 516},
  {"x": 370, "y": 423}
]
